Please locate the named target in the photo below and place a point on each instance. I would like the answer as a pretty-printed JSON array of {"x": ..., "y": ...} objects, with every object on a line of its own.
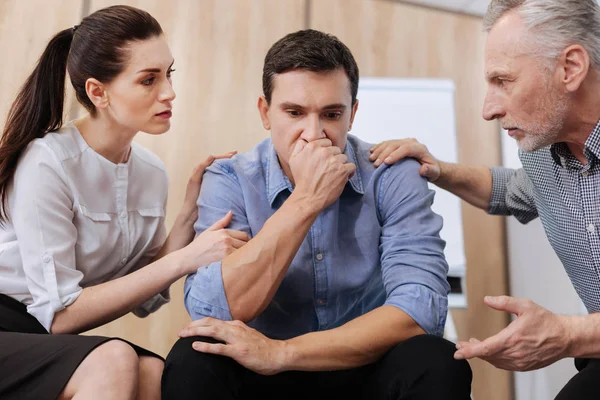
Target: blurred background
[{"x": 219, "y": 47}]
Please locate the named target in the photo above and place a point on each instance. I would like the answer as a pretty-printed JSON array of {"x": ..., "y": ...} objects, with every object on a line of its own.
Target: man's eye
[
  {"x": 294, "y": 113},
  {"x": 333, "y": 115}
]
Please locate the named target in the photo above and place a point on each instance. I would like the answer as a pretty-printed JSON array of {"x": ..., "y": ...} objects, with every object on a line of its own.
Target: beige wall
[
  {"x": 25, "y": 29},
  {"x": 219, "y": 46}
]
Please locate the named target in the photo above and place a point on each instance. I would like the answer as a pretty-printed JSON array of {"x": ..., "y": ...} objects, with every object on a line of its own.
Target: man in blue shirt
[{"x": 342, "y": 291}]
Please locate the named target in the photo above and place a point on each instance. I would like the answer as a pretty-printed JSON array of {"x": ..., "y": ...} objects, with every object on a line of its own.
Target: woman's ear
[{"x": 96, "y": 92}]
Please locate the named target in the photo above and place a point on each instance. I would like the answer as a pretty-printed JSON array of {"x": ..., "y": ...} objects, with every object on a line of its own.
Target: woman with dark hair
[{"x": 82, "y": 214}]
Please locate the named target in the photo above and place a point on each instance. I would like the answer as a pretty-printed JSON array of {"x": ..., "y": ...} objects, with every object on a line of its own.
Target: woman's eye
[
  {"x": 169, "y": 72},
  {"x": 148, "y": 82}
]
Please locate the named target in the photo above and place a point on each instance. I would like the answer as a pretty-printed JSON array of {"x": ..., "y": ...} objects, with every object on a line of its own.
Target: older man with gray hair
[{"x": 542, "y": 63}]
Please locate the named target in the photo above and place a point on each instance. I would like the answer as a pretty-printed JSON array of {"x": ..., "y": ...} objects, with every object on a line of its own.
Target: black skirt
[{"x": 35, "y": 364}]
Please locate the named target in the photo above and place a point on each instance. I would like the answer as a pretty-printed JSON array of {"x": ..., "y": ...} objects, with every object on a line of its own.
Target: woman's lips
[{"x": 165, "y": 115}]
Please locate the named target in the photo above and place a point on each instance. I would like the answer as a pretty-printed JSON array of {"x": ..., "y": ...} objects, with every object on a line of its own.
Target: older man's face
[{"x": 523, "y": 93}]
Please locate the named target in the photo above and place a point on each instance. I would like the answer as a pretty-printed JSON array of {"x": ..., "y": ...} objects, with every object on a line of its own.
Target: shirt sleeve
[
  {"x": 42, "y": 216},
  {"x": 204, "y": 293},
  {"x": 413, "y": 265},
  {"x": 512, "y": 194}
]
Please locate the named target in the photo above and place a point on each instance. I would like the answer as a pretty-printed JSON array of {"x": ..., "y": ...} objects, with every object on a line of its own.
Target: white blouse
[{"x": 77, "y": 220}]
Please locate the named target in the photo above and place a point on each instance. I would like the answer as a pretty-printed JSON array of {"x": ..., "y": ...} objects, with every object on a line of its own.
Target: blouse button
[
  {"x": 123, "y": 261},
  {"x": 123, "y": 215},
  {"x": 46, "y": 258}
]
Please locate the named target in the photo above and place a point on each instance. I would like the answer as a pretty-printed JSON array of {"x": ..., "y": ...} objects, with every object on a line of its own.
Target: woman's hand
[
  {"x": 214, "y": 244},
  {"x": 189, "y": 210}
]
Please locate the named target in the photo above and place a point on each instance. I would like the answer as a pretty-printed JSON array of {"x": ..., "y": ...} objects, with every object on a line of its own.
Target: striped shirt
[{"x": 565, "y": 194}]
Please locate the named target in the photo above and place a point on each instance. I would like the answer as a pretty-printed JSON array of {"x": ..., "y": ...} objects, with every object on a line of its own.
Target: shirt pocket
[
  {"x": 97, "y": 235},
  {"x": 148, "y": 223},
  {"x": 95, "y": 216},
  {"x": 157, "y": 212},
  {"x": 147, "y": 230}
]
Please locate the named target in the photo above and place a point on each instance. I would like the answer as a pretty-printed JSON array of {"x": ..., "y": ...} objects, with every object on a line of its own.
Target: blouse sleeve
[{"x": 41, "y": 212}]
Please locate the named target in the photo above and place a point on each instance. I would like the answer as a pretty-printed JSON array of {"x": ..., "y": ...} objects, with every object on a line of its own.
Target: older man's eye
[{"x": 501, "y": 82}]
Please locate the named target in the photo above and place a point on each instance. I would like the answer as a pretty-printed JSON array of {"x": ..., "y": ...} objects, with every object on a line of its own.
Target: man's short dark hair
[{"x": 310, "y": 50}]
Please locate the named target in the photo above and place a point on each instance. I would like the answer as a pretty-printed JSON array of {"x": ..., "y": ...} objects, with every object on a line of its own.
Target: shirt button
[
  {"x": 591, "y": 228},
  {"x": 124, "y": 261},
  {"x": 320, "y": 302},
  {"x": 46, "y": 258},
  {"x": 585, "y": 173},
  {"x": 319, "y": 257},
  {"x": 123, "y": 215}
]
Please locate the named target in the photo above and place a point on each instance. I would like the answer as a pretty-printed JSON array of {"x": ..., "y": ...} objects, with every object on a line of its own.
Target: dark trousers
[
  {"x": 585, "y": 384},
  {"x": 422, "y": 367}
]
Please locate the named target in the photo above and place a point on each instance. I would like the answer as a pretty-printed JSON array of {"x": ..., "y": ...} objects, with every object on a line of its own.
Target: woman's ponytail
[{"x": 37, "y": 110}]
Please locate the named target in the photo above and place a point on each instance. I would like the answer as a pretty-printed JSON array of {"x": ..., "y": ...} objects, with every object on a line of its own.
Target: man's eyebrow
[
  {"x": 495, "y": 74},
  {"x": 157, "y": 70},
  {"x": 288, "y": 104},
  {"x": 338, "y": 106}
]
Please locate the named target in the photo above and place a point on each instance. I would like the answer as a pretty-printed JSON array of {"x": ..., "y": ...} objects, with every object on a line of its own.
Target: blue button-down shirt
[{"x": 377, "y": 244}]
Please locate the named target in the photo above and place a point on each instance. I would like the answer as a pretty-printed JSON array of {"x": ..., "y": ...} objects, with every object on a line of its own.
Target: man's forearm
[
  {"x": 470, "y": 183},
  {"x": 584, "y": 340},
  {"x": 252, "y": 274},
  {"x": 359, "y": 342}
]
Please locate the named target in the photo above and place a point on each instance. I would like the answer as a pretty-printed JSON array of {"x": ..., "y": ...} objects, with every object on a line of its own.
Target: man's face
[
  {"x": 524, "y": 93},
  {"x": 308, "y": 106}
]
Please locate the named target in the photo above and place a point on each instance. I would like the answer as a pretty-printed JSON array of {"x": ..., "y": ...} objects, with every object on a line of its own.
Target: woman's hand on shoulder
[{"x": 189, "y": 210}]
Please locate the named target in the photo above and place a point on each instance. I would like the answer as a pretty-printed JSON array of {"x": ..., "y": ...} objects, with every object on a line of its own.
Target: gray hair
[{"x": 557, "y": 24}]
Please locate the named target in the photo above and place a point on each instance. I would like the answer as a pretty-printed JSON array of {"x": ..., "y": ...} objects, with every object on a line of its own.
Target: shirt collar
[
  {"x": 561, "y": 153},
  {"x": 277, "y": 181}
]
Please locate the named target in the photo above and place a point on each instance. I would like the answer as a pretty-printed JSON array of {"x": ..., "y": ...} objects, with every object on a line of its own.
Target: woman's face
[{"x": 140, "y": 97}]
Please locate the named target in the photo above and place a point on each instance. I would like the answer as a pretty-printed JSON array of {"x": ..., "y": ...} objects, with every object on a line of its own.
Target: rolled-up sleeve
[
  {"x": 512, "y": 194},
  {"x": 413, "y": 265},
  {"x": 42, "y": 217},
  {"x": 204, "y": 292}
]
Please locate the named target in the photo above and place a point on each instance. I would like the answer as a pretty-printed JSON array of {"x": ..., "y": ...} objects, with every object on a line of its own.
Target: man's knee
[
  {"x": 183, "y": 357},
  {"x": 188, "y": 368},
  {"x": 435, "y": 355}
]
